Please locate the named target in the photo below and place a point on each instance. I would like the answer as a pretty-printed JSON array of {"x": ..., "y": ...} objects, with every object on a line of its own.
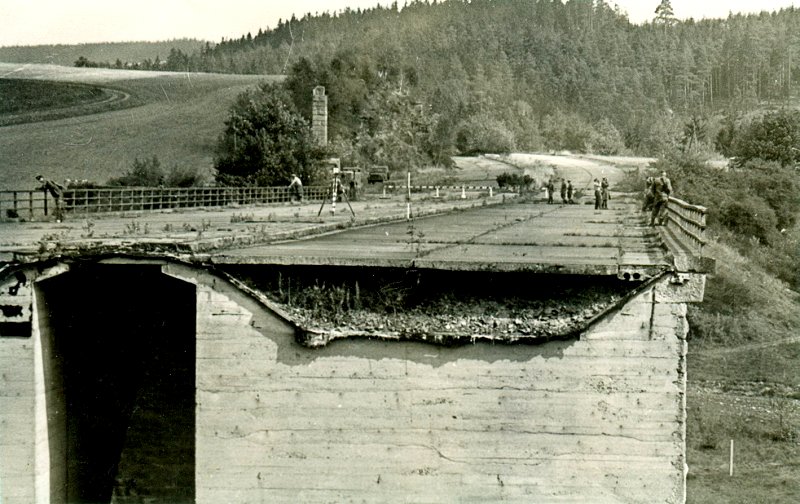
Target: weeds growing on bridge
[
  {"x": 415, "y": 237},
  {"x": 135, "y": 228},
  {"x": 243, "y": 217}
]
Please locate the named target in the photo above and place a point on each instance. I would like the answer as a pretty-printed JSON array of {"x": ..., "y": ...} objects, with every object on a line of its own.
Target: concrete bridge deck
[
  {"x": 474, "y": 234},
  {"x": 572, "y": 239}
]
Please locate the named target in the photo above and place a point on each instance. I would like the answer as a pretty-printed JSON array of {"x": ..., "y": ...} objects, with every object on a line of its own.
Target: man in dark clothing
[
  {"x": 570, "y": 190},
  {"x": 56, "y": 190},
  {"x": 662, "y": 188},
  {"x": 647, "y": 206},
  {"x": 551, "y": 187},
  {"x": 596, "y": 184},
  {"x": 563, "y": 191},
  {"x": 604, "y": 193}
]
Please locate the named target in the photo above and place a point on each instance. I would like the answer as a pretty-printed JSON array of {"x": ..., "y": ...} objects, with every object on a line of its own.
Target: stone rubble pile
[{"x": 553, "y": 319}]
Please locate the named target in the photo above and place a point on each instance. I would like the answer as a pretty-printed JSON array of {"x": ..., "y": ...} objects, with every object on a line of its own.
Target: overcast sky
[{"x": 34, "y": 22}]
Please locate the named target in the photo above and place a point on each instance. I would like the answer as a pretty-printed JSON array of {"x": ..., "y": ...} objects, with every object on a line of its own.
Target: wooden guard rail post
[
  {"x": 35, "y": 204},
  {"x": 687, "y": 223}
]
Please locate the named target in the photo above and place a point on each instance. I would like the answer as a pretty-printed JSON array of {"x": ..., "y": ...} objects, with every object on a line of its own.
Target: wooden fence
[
  {"x": 688, "y": 224},
  {"x": 37, "y": 204}
]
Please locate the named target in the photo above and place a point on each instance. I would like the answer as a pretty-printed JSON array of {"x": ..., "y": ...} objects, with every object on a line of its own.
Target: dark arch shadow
[{"x": 119, "y": 357}]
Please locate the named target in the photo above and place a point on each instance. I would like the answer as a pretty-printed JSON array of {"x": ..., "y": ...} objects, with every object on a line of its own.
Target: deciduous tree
[{"x": 265, "y": 141}]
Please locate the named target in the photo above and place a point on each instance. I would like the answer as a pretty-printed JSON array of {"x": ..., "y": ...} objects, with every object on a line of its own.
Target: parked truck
[{"x": 378, "y": 174}]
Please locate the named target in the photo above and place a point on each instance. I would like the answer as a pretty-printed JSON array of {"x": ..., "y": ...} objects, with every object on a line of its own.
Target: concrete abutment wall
[
  {"x": 599, "y": 419},
  {"x": 111, "y": 354}
]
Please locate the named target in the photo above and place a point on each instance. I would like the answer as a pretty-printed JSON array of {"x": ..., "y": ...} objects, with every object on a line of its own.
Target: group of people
[
  {"x": 567, "y": 190},
  {"x": 600, "y": 194},
  {"x": 656, "y": 195}
]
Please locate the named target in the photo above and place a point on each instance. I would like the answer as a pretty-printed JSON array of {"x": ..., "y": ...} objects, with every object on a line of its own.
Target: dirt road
[{"x": 581, "y": 169}]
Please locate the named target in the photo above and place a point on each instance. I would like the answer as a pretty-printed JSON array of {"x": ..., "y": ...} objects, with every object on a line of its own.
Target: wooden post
[{"x": 44, "y": 193}]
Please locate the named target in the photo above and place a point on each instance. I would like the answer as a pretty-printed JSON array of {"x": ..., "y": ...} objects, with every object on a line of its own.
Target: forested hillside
[
  {"x": 422, "y": 82},
  {"x": 602, "y": 81}
]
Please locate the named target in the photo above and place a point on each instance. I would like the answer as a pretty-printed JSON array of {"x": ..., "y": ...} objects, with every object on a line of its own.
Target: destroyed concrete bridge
[{"x": 487, "y": 349}]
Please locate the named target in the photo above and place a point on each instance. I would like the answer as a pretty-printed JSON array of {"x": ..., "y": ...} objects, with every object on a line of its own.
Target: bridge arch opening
[{"x": 118, "y": 352}]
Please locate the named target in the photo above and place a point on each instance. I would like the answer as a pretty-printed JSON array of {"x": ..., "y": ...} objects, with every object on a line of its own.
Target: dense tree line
[{"x": 532, "y": 74}]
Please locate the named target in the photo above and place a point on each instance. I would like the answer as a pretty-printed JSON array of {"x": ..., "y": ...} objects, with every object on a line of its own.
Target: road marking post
[{"x": 730, "y": 463}]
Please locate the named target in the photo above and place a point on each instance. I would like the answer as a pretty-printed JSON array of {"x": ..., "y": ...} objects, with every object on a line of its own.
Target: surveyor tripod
[{"x": 336, "y": 189}]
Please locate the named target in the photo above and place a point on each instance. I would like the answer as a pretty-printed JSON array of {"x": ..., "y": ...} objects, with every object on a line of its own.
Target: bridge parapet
[
  {"x": 688, "y": 224},
  {"x": 685, "y": 236},
  {"x": 34, "y": 204}
]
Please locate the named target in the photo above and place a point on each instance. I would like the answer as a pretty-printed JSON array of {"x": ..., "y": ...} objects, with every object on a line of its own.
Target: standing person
[
  {"x": 570, "y": 190},
  {"x": 648, "y": 195},
  {"x": 597, "y": 195},
  {"x": 662, "y": 188},
  {"x": 56, "y": 190},
  {"x": 296, "y": 189},
  {"x": 551, "y": 187},
  {"x": 563, "y": 191},
  {"x": 604, "y": 193}
]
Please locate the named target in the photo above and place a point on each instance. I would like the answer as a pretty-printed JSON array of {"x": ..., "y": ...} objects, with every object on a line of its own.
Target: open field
[
  {"x": 19, "y": 96},
  {"x": 178, "y": 119}
]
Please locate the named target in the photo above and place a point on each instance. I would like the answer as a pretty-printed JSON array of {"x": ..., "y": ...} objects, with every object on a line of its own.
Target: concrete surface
[
  {"x": 599, "y": 419},
  {"x": 533, "y": 236}
]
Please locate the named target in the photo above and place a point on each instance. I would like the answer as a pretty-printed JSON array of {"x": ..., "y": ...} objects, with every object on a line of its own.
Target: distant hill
[
  {"x": 66, "y": 55},
  {"x": 177, "y": 117}
]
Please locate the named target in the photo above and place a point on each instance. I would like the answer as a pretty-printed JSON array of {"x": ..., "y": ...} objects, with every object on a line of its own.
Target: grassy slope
[
  {"x": 179, "y": 121},
  {"x": 26, "y": 95},
  {"x": 744, "y": 384}
]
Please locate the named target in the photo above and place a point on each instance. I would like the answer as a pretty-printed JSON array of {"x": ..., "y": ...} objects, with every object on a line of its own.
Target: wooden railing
[
  {"x": 688, "y": 224},
  {"x": 37, "y": 204}
]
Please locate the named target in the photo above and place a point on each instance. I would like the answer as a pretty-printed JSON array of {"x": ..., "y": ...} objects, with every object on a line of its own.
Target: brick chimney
[{"x": 319, "y": 116}]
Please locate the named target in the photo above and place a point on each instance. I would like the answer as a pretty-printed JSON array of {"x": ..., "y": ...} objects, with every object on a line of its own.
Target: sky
[{"x": 37, "y": 22}]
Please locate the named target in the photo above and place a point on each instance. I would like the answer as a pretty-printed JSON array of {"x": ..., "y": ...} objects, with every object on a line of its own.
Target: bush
[
  {"x": 514, "y": 180},
  {"x": 481, "y": 134},
  {"x": 775, "y": 137},
  {"x": 145, "y": 173},
  {"x": 148, "y": 173},
  {"x": 778, "y": 186},
  {"x": 184, "y": 177},
  {"x": 606, "y": 139},
  {"x": 749, "y": 216},
  {"x": 567, "y": 131}
]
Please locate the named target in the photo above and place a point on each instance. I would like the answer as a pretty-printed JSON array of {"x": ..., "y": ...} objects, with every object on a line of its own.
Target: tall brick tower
[{"x": 319, "y": 116}]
